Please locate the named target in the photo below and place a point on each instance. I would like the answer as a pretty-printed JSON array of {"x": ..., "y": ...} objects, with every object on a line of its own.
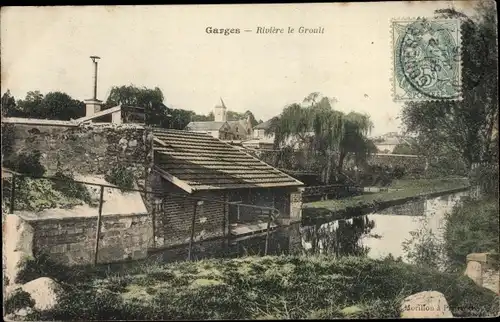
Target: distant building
[
  {"x": 221, "y": 128},
  {"x": 217, "y": 129},
  {"x": 387, "y": 143},
  {"x": 261, "y": 140}
]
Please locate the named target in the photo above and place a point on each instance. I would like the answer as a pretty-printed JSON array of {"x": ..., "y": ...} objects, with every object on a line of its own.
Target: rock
[
  {"x": 15, "y": 262},
  {"x": 428, "y": 304},
  {"x": 44, "y": 291},
  {"x": 20, "y": 234},
  {"x": 24, "y": 311},
  {"x": 474, "y": 271}
]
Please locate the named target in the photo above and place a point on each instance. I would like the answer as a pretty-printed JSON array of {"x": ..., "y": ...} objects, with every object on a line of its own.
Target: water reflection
[
  {"x": 340, "y": 237},
  {"x": 375, "y": 235}
]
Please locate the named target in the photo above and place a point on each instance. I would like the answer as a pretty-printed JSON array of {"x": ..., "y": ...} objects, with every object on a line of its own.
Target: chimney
[{"x": 93, "y": 105}]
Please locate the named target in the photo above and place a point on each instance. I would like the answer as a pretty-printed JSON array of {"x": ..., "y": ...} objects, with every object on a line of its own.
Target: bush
[
  {"x": 18, "y": 300},
  {"x": 27, "y": 163},
  {"x": 121, "y": 177},
  {"x": 472, "y": 227},
  {"x": 68, "y": 187},
  {"x": 486, "y": 177}
]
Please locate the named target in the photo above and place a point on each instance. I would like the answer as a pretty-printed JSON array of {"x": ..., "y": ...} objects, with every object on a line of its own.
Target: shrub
[
  {"x": 121, "y": 176},
  {"x": 20, "y": 299},
  {"x": 68, "y": 187},
  {"x": 486, "y": 177},
  {"x": 27, "y": 163},
  {"x": 472, "y": 226},
  {"x": 43, "y": 266}
]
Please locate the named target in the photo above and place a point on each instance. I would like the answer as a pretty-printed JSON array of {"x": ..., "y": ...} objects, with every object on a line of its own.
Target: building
[
  {"x": 194, "y": 164},
  {"x": 221, "y": 128},
  {"x": 259, "y": 131},
  {"x": 216, "y": 129},
  {"x": 387, "y": 143}
]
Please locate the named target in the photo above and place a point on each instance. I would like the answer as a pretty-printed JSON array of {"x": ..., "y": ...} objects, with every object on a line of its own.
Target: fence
[
  {"x": 270, "y": 213},
  {"x": 324, "y": 192}
]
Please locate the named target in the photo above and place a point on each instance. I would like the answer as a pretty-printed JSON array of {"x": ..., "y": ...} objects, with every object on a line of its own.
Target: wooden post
[
  {"x": 98, "y": 232},
  {"x": 13, "y": 194},
  {"x": 153, "y": 220},
  {"x": 225, "y": 223},
  {"x": 192, "y": 228},
  {"x": 267, "y": 234}
]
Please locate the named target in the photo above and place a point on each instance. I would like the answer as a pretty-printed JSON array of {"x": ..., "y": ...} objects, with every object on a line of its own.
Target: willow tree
[{"x": 327, "y": 135}]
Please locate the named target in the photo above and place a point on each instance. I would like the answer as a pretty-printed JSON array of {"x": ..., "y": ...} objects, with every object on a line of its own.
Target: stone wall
[
  {"x": 71, "y": 240},
  {"x": 88, "y": 149}
]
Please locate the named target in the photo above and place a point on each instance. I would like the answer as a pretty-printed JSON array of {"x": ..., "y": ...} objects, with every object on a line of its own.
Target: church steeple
[{"x": 220, "y": 112}]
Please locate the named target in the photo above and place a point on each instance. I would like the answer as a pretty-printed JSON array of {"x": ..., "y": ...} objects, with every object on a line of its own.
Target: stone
[
  {"x": 15, "y": 262},
  {"x": 474, "y": 271},
  {"x": 44, "y": 291},
  {"x": 20, "y": 234},
  {"x": 427, "y": 304},
  {"x": 24, "y": 311}
]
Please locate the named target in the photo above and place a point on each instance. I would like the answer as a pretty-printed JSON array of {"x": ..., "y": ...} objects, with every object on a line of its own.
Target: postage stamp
[{"x": 426, "y": 59}]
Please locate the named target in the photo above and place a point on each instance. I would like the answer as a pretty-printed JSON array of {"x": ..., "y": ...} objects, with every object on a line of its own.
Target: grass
[
  {"x": 284, "y": 287},
  {"x": 411, "y": 188}
]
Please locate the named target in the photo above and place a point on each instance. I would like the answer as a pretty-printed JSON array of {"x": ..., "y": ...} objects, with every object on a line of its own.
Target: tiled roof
[
  {"x": 196, "y": 161},
  {"x": 204, "y": 126},
  {"x": 263, "y": 126}
]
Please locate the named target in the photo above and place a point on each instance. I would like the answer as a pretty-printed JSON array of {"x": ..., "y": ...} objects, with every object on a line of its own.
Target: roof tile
[{"x": 206, "y": 163}]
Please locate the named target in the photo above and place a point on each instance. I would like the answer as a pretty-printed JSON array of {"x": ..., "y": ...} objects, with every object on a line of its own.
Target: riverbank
[
  {"x": 284, "y": 287},
  {"x": 371, "y": 202}
]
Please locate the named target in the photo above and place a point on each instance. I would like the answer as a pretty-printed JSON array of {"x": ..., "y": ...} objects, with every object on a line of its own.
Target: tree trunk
[{"x": 340, "y": 164}]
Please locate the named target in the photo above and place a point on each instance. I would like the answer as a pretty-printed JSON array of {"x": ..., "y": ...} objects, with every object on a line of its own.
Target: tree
[
  {"x": 407, "y": 147},
  {"x": 9, "y": 107},
  {"x": 328, "y": 136},
  {"x": 157, "y": 114},
  {"x": 54, "y": 106},
  {"x": 464, "y": 128}
]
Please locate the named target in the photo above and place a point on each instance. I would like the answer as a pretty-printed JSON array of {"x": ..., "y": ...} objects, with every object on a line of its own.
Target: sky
[{"x": 48, "y": 49}]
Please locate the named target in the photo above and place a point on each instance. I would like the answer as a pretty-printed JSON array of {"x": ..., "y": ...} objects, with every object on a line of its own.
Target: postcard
[{"x": 250, "y": 161}]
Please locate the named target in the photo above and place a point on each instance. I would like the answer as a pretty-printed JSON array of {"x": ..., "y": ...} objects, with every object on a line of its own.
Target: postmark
[{"x": 426, "y": 59}]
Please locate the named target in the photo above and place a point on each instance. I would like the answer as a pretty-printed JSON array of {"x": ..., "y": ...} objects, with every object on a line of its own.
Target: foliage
[
  {"x": 472, "y": 227},
  {"x": 406, "y": 148},
  {"x": 157, "y": 114},
  {"x": 121, "y": 176},
  {"x": 26, "y": 163},
  {"x": 486, "y": 177},
  {"x": 36, "y": 195},
  {"x": 285, "y": 287},
  {"x": 328, "y": 135},
  {"x": 18, "y": 300},
  {"x": 423, "y": 248},
  {"x": 68, "y": 187},
  {"x": 43, "y": 266},
  {"x": 9, "y": 107},
  {"x": 54, "y": 105},
  {"x": 464, "y": 128},
  {"x": 446, "y": 165}
]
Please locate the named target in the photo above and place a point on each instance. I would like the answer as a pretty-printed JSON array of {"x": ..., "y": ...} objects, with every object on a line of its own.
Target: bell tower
[{"x": 220, "y": 112}]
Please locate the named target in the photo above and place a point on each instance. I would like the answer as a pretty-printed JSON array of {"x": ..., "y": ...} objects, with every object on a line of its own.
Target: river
[{"x": 375, "y": 235}]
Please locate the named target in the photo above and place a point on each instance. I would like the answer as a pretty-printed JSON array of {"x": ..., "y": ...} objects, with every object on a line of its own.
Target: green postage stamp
[{"x": 426, "y": 59}]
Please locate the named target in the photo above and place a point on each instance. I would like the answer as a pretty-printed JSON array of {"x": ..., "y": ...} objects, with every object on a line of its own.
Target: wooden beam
[{"x": 174, "y": 180}]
